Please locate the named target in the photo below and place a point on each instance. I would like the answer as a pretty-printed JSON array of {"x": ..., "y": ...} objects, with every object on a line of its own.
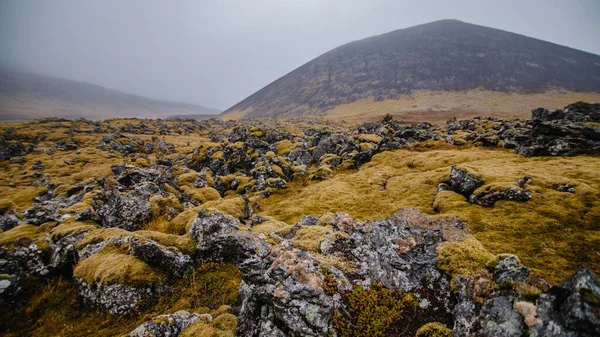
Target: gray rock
[
  {"x": 578, "y": 303},
  {"x": 123, "y": 210},
  {"x": 170, "y": 325},
  {"x": 117, "y": 299},
  {"x": 509, "y": 269},
  {"x": 462, "y": 181},
  {"x": 287, "y": 301},
  {"x": 9, "y": 220},
  {"x": 498, "y": 318},
  {"x": 211, "y": 224},
  {"x": 169, "y": 259},
  {"x": 489, "y": 198}
]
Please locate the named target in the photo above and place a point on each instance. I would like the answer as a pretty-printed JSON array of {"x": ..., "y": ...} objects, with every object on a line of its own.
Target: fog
[{"x": 216, "y": 53}]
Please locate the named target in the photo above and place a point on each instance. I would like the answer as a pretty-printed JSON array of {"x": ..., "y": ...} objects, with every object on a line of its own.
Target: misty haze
[{"x": 299, "y": 168}]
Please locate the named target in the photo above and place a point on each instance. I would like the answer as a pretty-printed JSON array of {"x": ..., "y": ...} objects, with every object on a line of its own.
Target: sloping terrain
[
  {"x": 445, "y": 56},
  {"x": 25, "y": 96},
  {"x": 303, "y": 227}
]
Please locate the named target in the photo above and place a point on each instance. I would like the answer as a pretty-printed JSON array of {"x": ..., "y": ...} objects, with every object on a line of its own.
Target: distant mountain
[
  {"x": 198, "y": 117},
  {"x": 440, "y": 66},
  {"x": 26, "y": 96}
]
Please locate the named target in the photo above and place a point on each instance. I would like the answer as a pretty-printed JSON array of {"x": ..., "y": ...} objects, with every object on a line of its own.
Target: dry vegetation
[{"x": 438, "y": 106}]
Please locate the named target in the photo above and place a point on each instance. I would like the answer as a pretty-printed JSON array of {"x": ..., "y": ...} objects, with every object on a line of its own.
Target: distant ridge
[
  {"x": 25, "y": 96},
  {"x": 442, "y": 57}
]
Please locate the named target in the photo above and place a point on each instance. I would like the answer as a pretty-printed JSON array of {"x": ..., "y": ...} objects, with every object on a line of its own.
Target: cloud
[{"x": 216, "y": 53}]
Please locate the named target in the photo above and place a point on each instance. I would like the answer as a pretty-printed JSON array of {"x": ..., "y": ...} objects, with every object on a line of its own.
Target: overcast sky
[{"x": 217, "y": 52}]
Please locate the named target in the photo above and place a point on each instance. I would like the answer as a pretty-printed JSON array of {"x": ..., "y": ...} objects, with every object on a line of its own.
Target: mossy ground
[
  {"x": 553, "y": 233},
  {"x": 54, "y": 308}
]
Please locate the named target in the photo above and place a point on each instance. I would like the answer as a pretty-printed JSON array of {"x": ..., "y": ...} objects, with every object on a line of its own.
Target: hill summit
[{"x": 440, "y": 66}]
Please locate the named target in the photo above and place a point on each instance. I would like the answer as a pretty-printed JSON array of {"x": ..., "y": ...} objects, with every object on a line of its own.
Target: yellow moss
[
  {"x": 25, "y": 232},
  {"x": 256, "y": 132},
  {"x": 70, "y": 227},
  {"x": 6, "y": 205},
  {"x": 244, "y": 182},
  {"x": 110, "y": 267},
  {"x": 187, "y": 179},
  {"x": 203, "y": 194},
  {"x": 372, "y": 311},
  {"x": 159, "y": 204},
  {"x": 278, "y": 170},
  {"x": 233, "y": 206},
  {"x": 310, "y": 237},
  {"x": 61, "y": 190},
  {"x": 217, "y": 155},
  {"x": 372, "y": 138},
  {"x": 142, "y": 162},
  {"x": 446, "y": 200},
  {"x": 434, "y": 329},
  {"x": 181, "y": 223},
  {"x": 270, "y": 226},
  {"x": 182, "y": 242},
  {"x": 22, "y": 197},
  {"x": 286, "y": 146},
  {"x": 466, "y": 257},
  {"x": 270, "y": 154}
]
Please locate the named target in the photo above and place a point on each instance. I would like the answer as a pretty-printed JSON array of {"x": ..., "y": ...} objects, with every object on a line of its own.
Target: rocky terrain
[
  {"x": 459, "y": 63},
  {"x": 302, "y": 227}
]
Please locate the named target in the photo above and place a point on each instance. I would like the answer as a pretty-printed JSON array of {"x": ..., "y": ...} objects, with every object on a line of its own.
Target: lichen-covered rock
[
  {"x": 287, "y": 301},
  {"x": 123, "y": 210},
  {"x": 9, "y": 220},
  {"x": 118, "y": 299},
  {"x": 381, "y": 258},
  {"x": 578, "y": 302},
  {"x": 508, "y": 268},
  {"x": 30, "y": 257},
  {"x": 170, "y": 325},
  {"x": 489, "y": 197},
  {"x": 10, "y": 277},
  {"x": 463, "y": 182},
  {"x": 169, "y": 259},
  {"x": 498, "y": 317},
  {"x": 64, "y": 249},
  {"x": 210, "y": 223}
]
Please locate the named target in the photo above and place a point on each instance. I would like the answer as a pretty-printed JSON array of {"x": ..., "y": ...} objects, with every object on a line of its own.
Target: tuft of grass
[
  {"x": 111, "y": 266},
  {"x": 70, "y": 227},
  {"x": 6, "y": 205},
  {"x": 284, "y": 147},
  {"x": 434, "y": 329},
  {"x": 222, "y": 326},
  {"x": 211, "y": 285},
  {"x": 203, "y": 194},
  {"x": 25, "y": 234},
  {"x": 372, "y": 311}
]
